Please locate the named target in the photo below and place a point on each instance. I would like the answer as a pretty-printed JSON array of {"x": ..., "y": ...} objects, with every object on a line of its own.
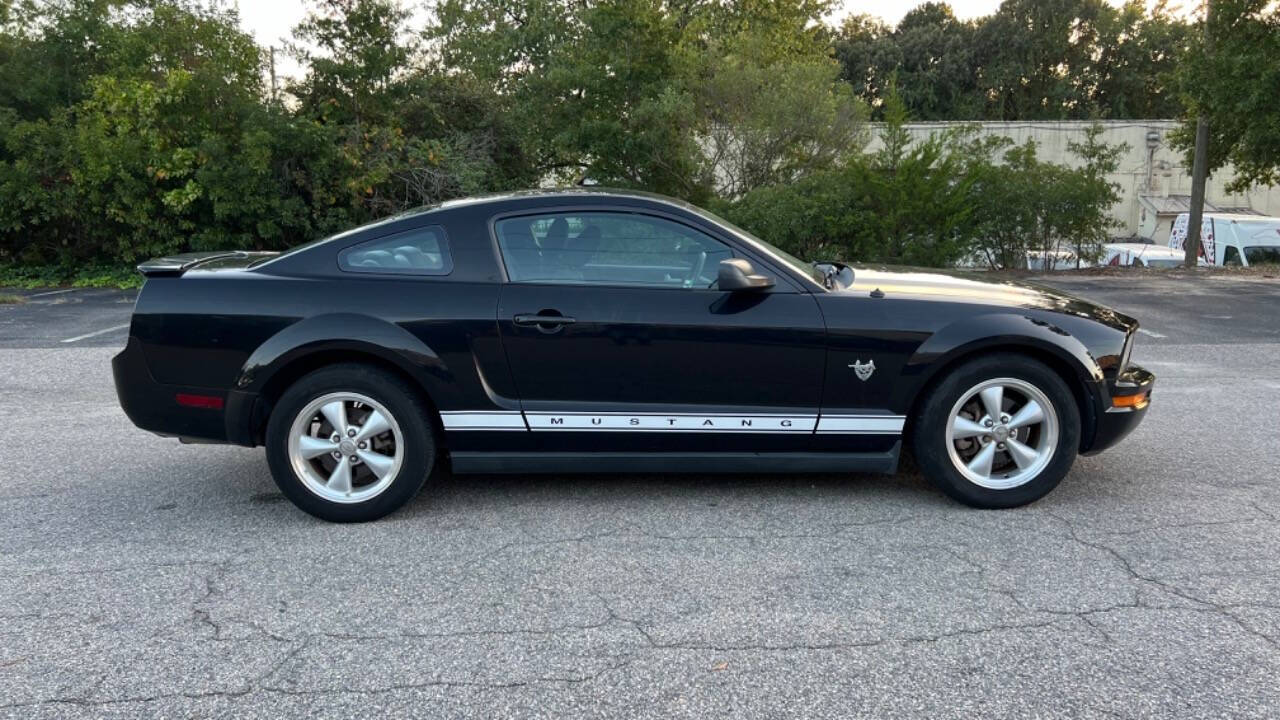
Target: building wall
[{"x": 1142, "y": 171}]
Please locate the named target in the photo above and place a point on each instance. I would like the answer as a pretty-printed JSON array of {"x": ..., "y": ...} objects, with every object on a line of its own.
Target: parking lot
[{"x": 140, "y": 577}]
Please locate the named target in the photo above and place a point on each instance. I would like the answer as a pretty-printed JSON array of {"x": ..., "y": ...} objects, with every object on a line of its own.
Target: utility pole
[
  {"x": 1199, "y": 164},
  {"x": 274, "y": 96}
]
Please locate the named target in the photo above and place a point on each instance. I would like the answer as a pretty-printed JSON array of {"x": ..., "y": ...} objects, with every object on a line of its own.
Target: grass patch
[
  {"x": 43, "y": 276},
  {"x": 10, "y": 299}
]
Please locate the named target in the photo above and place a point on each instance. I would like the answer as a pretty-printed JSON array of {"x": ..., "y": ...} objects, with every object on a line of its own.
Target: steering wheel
[{"x": 696, "y": 271}]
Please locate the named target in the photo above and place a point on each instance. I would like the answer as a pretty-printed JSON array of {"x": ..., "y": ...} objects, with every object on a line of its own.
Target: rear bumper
[
  {"x": 154, "y": 406},
  {"x": 1115, "y": 422}
]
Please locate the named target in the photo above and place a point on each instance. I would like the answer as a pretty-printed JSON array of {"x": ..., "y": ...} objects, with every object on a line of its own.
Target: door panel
[{"x": 656, "y": 367}]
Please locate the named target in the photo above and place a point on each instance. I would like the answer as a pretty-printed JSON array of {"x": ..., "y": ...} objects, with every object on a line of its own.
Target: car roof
[
  {"x": 1143, "y": 247},
  {"x": 564, "y": 193},
  {"x": 572, "y": 193},
  {"x": 297, "y": 257},
  {"x": 1239, "y": 217}
]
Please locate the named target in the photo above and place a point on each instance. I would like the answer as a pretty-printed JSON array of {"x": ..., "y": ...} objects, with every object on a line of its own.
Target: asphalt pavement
[{"x": 143, "y": 578}]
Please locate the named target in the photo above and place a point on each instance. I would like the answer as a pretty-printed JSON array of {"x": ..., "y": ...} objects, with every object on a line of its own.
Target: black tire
[
  {"x": 399, "y": 398},
  {"x": 929, "y": 430}
]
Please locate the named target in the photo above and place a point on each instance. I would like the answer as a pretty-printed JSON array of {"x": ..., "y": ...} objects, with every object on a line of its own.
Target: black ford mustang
[{"x": 581, "y": 330}]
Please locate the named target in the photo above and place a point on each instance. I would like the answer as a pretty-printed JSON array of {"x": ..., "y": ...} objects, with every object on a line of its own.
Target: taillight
[{"x": 208, "y": 402}]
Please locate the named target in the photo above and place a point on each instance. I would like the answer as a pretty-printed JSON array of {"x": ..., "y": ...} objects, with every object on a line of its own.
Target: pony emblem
[{"x": 864, "y": 370}]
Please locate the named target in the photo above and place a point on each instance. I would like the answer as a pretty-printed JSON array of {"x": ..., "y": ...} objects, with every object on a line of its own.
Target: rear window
[{"x": 421, "y": 251}]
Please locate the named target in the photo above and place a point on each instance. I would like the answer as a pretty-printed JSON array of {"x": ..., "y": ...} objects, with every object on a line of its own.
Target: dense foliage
[
  {"x": 1233, "y": 79},
  {"x": 949, "y": 198},
  {"x": 1030, "y": 60},
  {"x": 132, "y": 128}
]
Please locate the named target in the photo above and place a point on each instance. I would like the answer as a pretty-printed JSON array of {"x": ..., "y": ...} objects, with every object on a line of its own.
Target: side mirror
[{"x": 737, "y": 274}]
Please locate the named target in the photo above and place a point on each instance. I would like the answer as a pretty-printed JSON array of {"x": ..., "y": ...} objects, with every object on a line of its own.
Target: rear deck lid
[{"x": 221, "y": 259}]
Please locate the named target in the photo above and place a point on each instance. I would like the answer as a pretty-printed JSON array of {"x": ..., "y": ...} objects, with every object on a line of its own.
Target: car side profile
[{"x": 601, "y": 331}]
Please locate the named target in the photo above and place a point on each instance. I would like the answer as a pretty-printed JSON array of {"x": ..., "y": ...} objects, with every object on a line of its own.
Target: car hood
[{"x": 980, "y": 289}]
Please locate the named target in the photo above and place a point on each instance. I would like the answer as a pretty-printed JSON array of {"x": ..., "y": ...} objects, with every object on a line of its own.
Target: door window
[
  {"x": 608, "y": 249},
  {"x": 1231, "y": 256}
]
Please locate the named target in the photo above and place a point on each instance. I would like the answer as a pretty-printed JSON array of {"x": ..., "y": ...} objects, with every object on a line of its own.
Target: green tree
[
  {"x": 162, "y": 142},
  {"x": 137, "y": 127},
  {"x": 868, "y": 56},
  {"x": 771, "y": 108},
  {"x": 938, "y": 71},
  {"x": 1030, "y": 60},
  {"x": 1040, "y": 57},
  {"x": 682, "y": 98},
  {"x": 1132, "y": 73},
  {"x": 910, "y": 202},
  {"x": 1234, "y": 82},
  {"x": 45, "y": 61},
  {"x": 948, "y": 197},
  {"x": 406, "y": 134},
  {"x": 358, "y": 54},
  {"x": 589, "y": 81},
  {"x": 1024, "y": 206},
  {"x": 769, "y": 124}
]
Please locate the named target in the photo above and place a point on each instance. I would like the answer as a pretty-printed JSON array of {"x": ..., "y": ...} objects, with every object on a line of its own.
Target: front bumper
[
  {"x": 154, "y": 406},
  {"x": 1125, "y": 405}
]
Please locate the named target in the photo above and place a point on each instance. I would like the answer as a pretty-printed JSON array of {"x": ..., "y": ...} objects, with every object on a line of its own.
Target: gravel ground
[{"x": 145, "y": 578}]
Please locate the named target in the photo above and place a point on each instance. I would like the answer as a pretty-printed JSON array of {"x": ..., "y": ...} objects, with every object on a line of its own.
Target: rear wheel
[
  {"x": 997, "y": 432},
  {"x": 350, "y": 443}
]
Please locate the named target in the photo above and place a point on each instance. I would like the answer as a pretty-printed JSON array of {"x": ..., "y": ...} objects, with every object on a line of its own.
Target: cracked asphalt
[{"x": 143, "y": 578}]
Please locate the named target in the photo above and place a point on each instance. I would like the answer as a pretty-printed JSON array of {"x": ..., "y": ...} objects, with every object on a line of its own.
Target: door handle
[{"x": 545, "y": 322}]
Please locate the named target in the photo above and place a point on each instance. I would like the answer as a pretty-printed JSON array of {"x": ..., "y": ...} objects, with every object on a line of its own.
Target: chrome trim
[
  {"x": 861, "y": 424},
  {"x": 483, "y": 420},
  {"x": 656, "y": 422},
  {"x": 575, "y": 421}
]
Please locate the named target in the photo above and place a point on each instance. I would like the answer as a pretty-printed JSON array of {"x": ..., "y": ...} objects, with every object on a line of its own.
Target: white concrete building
[{"x": 1155, "y": 185}]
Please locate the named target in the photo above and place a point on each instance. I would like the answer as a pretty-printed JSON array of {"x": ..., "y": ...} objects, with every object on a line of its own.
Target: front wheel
[
  {"x": 350, "y": 443},
  {"x": 998, "y": 432}
]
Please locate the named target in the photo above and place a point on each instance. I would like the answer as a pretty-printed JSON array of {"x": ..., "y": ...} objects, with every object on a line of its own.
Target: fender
[
  {"x": 332, "y": 332},
  {"x": 992, "y": 331},
  {"x": 343, "y": 331}
]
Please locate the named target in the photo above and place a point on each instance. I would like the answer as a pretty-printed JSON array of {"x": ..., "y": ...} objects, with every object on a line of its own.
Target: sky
[{"x": 271, "y": 21}]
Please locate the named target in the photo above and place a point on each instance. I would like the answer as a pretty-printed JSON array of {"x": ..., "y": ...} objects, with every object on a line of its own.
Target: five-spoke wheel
[
  {"x": 997, "y": 431},
  {"x": 346, "y": 447},
  {"x": 350, "y": 442},
  {"x": 1002, "y": 433}
]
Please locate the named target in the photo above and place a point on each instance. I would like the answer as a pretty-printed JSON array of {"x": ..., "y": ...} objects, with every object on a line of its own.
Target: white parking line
[
  {"x": 53, "y": 292},
  {"x": 95, "y": 333},
  {"x": 1152, "y": 333}
]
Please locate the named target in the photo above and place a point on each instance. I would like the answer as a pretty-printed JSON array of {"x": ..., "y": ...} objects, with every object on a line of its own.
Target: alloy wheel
[
  {"x": 346, "y": 447},
  {"x": 1002, "y": 433}
]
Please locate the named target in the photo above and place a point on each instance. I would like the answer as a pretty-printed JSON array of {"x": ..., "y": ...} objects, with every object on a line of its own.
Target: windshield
[
  {"x": 1262, "y": 255},
  {"x": 795, "y": 263}
]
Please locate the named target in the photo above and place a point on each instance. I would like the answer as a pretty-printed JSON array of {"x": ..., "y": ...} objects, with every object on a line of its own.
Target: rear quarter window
[{"x": 421, "y": 251}]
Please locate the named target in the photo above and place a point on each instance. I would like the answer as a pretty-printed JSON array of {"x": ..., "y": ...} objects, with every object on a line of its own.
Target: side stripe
[
  {"x": 653, "y": 422},
  {"x": 514, "y": 420},
  {"x": 861, "y": 424},
  {"x": 483, "y": 420}
]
